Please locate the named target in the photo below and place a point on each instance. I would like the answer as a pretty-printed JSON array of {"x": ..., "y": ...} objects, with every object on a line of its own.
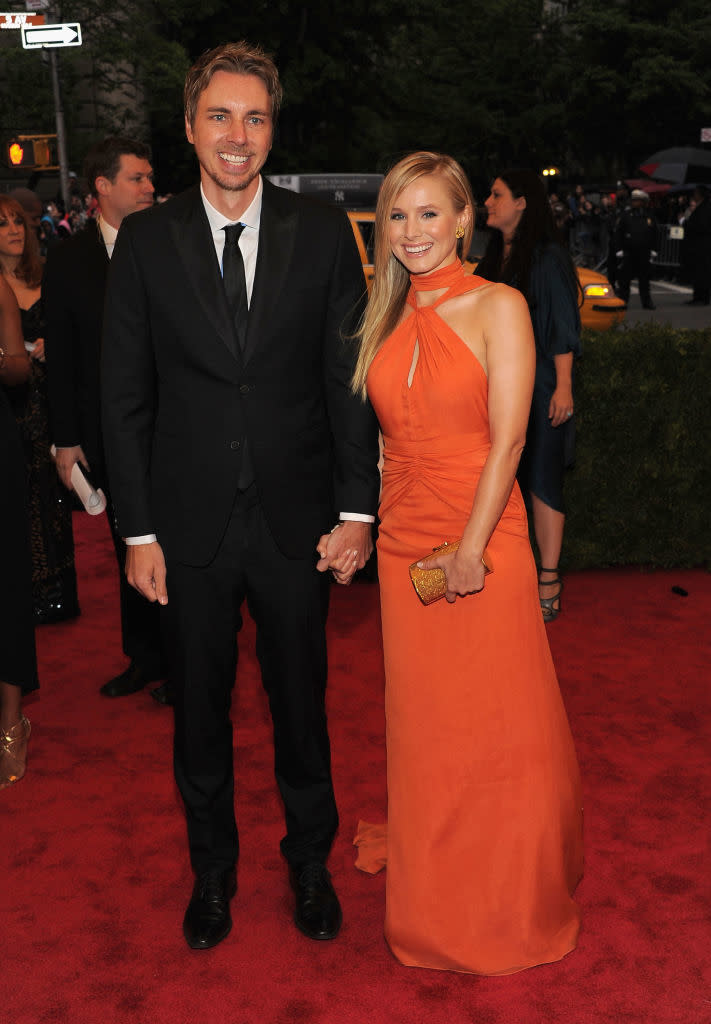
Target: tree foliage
[
  {"x": 591, "y": 86},
  {"x": 638, "y": 78}
]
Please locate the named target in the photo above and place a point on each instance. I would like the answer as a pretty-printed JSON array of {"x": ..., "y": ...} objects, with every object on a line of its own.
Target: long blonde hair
[{"x": 391, "y": 280}]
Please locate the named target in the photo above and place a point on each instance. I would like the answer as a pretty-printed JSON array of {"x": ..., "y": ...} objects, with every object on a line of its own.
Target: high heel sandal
[
  {"x": 11, "y": 752},
  {"x": 548, "y": 604}
]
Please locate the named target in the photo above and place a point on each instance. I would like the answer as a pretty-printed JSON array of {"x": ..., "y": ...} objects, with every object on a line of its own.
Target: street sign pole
[
  {"x": 61, "y": 132},
  {"x": 48, "y": 38}
]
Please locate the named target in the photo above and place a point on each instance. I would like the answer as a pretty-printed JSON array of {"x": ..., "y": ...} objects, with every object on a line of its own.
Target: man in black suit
[
  {"x": 233, "y": 441},
  {"x": 120, "y": 175},
  {"x": 696, "y": 250}
]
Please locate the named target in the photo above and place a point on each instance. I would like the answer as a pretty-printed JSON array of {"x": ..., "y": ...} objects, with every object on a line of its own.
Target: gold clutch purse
[{"x": 431, "y": 584}]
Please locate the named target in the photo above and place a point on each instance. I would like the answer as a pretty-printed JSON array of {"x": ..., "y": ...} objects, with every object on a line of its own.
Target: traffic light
[
  {"x": 19, "y": 155},
  {"x": 31, "y": 152}
]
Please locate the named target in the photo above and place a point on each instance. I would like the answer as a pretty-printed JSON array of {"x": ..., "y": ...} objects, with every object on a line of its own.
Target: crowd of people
[
  {"x": 585, "y": 221},
  {"x": 621, "y": 232},
  {"x": 214, "y": 365}
]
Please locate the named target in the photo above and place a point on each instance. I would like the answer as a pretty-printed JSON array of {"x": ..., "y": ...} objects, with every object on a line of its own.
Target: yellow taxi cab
[
  {"x": 363, "y": 224},
  {"x": 600, "y": 307}
]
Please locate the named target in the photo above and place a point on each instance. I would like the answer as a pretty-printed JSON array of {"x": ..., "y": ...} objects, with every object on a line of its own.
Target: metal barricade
[{"x": 669, "y": 241}]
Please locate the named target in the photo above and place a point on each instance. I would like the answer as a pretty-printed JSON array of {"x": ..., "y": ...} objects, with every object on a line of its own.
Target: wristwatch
[{"x": 2, "y": 357}]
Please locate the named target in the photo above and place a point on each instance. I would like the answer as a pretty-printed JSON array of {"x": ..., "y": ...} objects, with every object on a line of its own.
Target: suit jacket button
[
  {"x": 234, "y": 445},
  {"x": 245, "y": 388}
]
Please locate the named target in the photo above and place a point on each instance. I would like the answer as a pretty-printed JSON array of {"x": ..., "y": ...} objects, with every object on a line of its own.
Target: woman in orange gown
[{"x": 484, "y": 837}]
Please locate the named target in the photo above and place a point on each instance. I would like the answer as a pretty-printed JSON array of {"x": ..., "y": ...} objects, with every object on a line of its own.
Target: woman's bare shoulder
[
  {"x": 6, "y": 292},
  {"x": 500, "y": 295},
  {"x": 489, "y": 299}
]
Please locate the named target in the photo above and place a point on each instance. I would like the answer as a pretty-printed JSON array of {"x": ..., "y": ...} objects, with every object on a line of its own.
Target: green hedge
[{"x": 640, "y": 491}]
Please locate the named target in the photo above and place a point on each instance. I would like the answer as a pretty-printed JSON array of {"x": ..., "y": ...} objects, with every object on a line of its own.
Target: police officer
[{"x": 635, "y": 237}]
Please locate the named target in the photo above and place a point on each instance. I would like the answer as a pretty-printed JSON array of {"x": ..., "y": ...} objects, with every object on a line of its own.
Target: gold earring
[{"x": 459, "y": 233}]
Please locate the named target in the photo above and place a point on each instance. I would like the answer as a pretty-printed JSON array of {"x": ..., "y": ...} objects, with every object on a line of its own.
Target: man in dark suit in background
[
  {"x": 696, "y": 250},
  {"x": 120, "y": 175},
  {"x": 233, "y": 441}
]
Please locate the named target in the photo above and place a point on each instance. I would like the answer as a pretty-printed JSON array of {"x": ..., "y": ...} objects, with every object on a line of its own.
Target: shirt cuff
[
  {"x": 148, "y": 538},
  {"x": 356, "y": 517}
]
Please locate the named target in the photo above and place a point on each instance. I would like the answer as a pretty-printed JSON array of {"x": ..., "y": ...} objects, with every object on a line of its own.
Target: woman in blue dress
[{"x": 524, "y": 251}]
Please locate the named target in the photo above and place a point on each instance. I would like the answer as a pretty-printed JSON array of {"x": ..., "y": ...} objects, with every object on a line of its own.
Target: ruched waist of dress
[
  {"x": 436, "y": 463},
  {"x": 442, "y": 447}
]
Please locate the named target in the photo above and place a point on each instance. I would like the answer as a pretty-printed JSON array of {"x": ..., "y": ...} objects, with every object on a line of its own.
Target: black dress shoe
[
  {"x": 648, "y": 305},
  {"x": 164, "y": 694},
  {"x": 131, "y": 680},
  {"x": 207, "y": 920},
  {"x": 318, "y": 912}
]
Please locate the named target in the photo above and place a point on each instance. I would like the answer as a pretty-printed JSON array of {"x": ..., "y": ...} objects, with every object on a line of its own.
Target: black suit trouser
[
  {"x": 288, "y": 600},
  {"x": 635, "y": 264}
]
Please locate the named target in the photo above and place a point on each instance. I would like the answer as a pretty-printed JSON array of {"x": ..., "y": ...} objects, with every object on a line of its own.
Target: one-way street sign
[{"x": 51, "y": 35}]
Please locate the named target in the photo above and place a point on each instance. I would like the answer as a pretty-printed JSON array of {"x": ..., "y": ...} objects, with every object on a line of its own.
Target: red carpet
[{"x": 93, "y": 859}]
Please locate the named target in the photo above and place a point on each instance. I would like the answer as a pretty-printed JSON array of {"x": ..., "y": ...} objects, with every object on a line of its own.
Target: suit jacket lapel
[
  {"x": 277, "y": 235},
  {"x": 94, "y": 243},
  {"x": 193, "y": 241}
]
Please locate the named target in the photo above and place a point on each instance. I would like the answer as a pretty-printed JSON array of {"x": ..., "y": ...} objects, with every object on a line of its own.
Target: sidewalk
[{"x": 670, "y": 300}]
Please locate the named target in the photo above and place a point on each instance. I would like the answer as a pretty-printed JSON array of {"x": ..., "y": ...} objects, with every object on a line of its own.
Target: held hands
[
  {"x": 561, "y": 405},
  {"x": 346, "y": 549},
  {"x": 464, "y": 575},
  {"x": 145, "y": 571}
]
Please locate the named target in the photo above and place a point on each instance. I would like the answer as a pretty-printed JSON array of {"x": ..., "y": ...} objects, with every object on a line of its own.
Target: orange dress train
[{"x": 484, "y": 837}]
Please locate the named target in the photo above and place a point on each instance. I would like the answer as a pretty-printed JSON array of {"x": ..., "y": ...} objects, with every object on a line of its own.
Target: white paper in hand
[{"x": 93, "y": 500}]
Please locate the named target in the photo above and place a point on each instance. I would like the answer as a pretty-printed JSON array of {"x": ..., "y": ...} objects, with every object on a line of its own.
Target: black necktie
[{"x": 233, "y": 277}]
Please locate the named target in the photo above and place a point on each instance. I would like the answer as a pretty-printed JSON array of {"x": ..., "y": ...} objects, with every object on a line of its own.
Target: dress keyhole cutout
[{"x": 413, "y": 364}]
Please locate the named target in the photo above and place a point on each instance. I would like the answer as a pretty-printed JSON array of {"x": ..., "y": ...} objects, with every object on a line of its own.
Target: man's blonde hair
[{"x": 237, "y": 58}]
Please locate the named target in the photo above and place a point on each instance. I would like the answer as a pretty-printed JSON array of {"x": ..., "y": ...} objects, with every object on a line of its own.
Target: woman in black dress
[
  {"x": 524, "y": 251},
  {"x": 18, "y": 662},
  {"x": 53, "y": 574}
]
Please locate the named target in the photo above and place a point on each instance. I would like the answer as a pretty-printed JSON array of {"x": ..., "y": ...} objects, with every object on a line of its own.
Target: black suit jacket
[
  {"x": 179, "y": 398},
  {"x": 73, "y": 291},
  {"x": 696, "y": 252}
]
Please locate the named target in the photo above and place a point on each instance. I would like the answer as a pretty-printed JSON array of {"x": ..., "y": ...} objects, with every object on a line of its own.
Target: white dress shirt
[
  {"x": 248, "y": 240},
  {"x": 108, "y": 233}
]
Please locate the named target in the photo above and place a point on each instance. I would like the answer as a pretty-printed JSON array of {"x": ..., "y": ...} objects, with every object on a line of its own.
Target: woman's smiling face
[{"x": 423, "y": 225}]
